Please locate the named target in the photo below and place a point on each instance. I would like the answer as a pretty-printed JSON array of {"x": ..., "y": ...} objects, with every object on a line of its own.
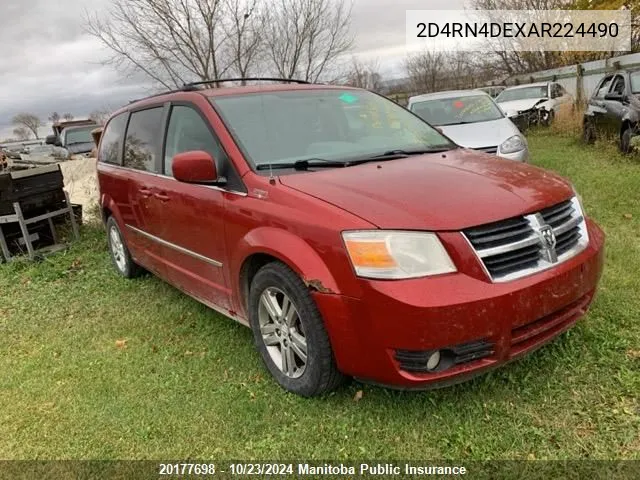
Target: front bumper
[{"x": 454, "y": 310}]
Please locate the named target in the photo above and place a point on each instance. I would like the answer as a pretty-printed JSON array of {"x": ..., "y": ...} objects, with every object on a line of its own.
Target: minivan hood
[
  {"x": 481, "y": 134},
  {"x": 451, "y": 191}
]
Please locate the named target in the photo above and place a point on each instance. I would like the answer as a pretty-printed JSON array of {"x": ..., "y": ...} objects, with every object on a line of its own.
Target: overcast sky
[{"x": 49, "y": 63}]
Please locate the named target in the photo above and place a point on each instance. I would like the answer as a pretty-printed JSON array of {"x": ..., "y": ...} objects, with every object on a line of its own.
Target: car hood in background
[
  {"x": 481, "y": 134},
  {"x": 451, "y": 191},
  {"x": 514, "y": 106}
]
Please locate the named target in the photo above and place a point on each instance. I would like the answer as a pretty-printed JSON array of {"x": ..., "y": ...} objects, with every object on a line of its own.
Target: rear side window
[
  {"x": 111, "y": 144},
  {"x": 143, "y": 140}
]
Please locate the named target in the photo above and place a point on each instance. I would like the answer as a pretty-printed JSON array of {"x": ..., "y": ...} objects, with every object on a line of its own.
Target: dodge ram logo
[
  {"x": 547, "y": 236},
  {"x": 548, "y": 239}
]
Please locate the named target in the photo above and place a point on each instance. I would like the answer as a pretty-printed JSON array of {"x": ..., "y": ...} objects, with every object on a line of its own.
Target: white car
[
  {"x": 545, "y": 96},
  {"x": 472, "y": 120}
]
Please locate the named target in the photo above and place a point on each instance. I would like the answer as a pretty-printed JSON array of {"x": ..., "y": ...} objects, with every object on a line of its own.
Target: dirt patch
[{"x": 81, "y": 182}]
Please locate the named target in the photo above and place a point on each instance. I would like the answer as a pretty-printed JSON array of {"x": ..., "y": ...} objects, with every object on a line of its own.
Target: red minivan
[{"x": 352, "y": 237}]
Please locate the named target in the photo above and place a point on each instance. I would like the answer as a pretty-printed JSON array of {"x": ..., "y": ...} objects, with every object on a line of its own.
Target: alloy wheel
[
  {"x": 282, "y": 332},
  {"x": 117, "y": 249}
]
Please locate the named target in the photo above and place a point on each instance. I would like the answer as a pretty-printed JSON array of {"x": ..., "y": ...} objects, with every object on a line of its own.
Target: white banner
[{"x": 521, "y": 30}]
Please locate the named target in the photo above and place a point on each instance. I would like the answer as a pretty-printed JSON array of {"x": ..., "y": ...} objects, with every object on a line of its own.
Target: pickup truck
[{"x": 74, "y": 136}]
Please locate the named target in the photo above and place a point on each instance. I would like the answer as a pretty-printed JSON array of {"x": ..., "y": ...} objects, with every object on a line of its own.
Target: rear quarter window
[
  {"x": 111, "y": 144},
  {"x": 143, "y": 140}
]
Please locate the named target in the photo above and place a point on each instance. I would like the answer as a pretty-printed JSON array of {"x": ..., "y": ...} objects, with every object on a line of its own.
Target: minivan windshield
[
  {"x": 336, "y": 125},
  {"x": 457, "y": 110},
  {"x": 524, "y": 93}
]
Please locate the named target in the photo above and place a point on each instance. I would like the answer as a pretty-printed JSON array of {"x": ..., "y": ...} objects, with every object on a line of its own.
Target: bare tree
[
  {"x": 100, "y": 116},
  {"x": 68, "y": 117},
  {"x": 243, "y": 30},
  {"x": 364, "y": 75},
  {"x": 171, "y": 41},
  {"x": 22, "y": 133},
  {"x": 54, "y": 117},
  {"x": 305, "y": 38},
  {"x": 425, "y": 69},
  {"x": 28, "y": 121}
]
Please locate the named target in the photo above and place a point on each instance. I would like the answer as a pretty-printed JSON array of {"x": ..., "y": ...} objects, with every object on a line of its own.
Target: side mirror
[
  {"x": 613, "y": 96},
  {"x": 196, "y": 166},
  {"x": 51, "y": 139}
]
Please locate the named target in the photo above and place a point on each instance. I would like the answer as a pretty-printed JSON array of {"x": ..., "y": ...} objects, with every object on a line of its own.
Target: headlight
[
  {"x": 396, "y": 254},
  {"x": 513, "y": 144}
]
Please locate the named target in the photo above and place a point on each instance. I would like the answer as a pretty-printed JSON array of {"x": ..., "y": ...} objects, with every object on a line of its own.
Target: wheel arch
[{"x": 268, "y": 244}]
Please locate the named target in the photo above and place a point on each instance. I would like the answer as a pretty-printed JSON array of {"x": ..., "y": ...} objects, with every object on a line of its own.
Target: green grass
[{"x": 188, "y": 383}]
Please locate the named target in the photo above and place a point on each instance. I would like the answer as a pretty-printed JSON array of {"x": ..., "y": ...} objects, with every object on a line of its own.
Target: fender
[{"x": 289, "y": 248}]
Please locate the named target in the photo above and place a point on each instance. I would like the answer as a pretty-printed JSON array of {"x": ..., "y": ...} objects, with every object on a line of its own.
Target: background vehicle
[
  {"x": 472, "y": 119},
  {"x": 537, "y": 101},
  {"x": 493, "y": 91},
  {"x": 614, "y": 108},
  {"x": 352, "y": 237},
  {"x": 74, "y": 136}
]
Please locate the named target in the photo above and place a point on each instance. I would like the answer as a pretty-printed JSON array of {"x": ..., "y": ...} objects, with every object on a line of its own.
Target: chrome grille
[
  {"x": 520, "y": 246},
  {"x": 493, "y": 150}
]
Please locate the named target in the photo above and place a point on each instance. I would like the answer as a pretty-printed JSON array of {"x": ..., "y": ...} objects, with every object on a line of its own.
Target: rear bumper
[{"x": 373, "y": 336}]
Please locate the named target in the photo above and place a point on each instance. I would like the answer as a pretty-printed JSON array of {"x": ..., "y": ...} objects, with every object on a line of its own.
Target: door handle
[
  {"x": 145, "y": 192},
  {"x": 162, "y": 196}
]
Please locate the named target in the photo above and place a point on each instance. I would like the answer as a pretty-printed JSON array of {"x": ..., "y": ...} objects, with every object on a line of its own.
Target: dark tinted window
[
  {"x": 618, "y": 85},
  {"x": 143, "y": 140},
  {"x": 188, "y": 131},
  {"x": 112, "y": 136},
  {"x": 604, "y": 87}
]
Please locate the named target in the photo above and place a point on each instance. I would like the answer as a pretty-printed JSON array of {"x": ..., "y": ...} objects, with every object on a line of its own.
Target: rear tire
[
  {"x": 289, "y": 332},
  {"x": 119, "y": 252}
]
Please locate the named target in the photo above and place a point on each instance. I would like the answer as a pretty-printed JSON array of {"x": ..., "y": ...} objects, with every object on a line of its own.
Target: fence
[{"x": 580, "y": 80}]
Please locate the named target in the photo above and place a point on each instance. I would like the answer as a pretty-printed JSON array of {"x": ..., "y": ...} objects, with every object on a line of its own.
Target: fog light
[{"x": 434, "y": 360}]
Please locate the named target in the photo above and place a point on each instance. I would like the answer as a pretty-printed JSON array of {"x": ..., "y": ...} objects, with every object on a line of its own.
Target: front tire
[
  {"x": 588, "y": 132},
  {"x": 119, "y": 251},
  {"x": 625, "y": 140},
  {"x": 289, "y": 332}
]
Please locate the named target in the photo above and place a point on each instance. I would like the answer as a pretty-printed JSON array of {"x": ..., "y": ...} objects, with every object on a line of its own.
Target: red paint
[
  {"x": 298, "y": 219},
  {"x": 194, "y": 167}
]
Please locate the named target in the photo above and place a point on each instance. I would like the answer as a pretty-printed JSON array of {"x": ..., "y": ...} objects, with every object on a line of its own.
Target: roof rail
[{"x": 188, "y": 87}]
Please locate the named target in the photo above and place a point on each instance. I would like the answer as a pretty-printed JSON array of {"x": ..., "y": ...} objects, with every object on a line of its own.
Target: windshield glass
[
  {"x": 523, "y": 94},
  {"x": 635, "y": 82},
  {"x": 282, "y": 127},
  {"x": 79, "y": 135},
  {"x": 456, "y": 110}
]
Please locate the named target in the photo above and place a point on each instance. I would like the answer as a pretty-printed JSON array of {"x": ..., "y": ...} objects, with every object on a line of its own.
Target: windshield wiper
[
  {"x": 303, "y": 164},
  {"x": 406, "y": 153}
]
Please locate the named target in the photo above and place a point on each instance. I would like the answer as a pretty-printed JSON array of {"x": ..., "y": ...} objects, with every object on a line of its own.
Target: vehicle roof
[
  {"x": 537, "y": 84},
  {"x": 448, "y": 94},
  {"x": 225, "y": 92}
]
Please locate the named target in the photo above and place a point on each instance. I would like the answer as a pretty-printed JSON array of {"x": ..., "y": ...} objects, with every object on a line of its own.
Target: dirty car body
[
  {"x": 472, "y": 119},
  {"x": 533, "y": 104},
  {"x": 353, "y": 238},
  {"x": 614, "y": 109}
]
